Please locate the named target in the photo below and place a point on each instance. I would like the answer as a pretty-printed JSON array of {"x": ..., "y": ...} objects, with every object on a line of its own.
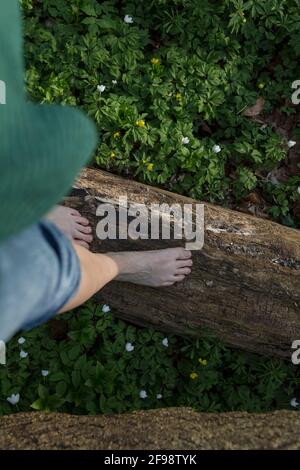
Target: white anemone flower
[
  {"x": 294, "y": 403},
  {"x": 14, "y": 399},
  {"x": 216, "y": 149},
  {"x": 128, "y": 19},
  {"x": 129, "y": 347}
]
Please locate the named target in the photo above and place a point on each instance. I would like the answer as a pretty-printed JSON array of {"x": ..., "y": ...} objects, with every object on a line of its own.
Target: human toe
[
  {"x": 184, "y": 271},
  {"x": 81, "y": 220},
  {"x": 82, "y": 236}
]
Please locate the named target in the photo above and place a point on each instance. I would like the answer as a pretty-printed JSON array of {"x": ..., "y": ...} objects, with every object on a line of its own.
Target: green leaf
[{"x": 76, "y": 378}]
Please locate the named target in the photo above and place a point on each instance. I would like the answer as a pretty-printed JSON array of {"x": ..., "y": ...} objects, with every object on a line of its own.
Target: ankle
[
  {"x": 127, "y": 263},
  {"x": 108, "y": 265}
]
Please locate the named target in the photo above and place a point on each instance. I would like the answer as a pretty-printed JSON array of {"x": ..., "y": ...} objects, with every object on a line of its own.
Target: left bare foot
[
  {"x": 72, "y": 224},
  {"x": 156, "y": 268}
]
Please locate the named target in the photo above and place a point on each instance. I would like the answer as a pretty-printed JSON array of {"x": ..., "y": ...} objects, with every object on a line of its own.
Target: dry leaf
[
  {"x": 254, "y": 199},
  {"x": 296, "y": 210},
  {"x": 256, "y": 109},
  {"x": 206, "y": 128},
  {"x": 293, "y": 160},
  {"x": 278, "y": 175}
]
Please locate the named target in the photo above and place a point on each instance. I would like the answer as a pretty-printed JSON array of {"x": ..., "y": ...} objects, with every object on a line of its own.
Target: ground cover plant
[
  {"x": 193, "y": 96},
  {"x": 89, "y": 362},
  {"x": 172, "y": 85}
]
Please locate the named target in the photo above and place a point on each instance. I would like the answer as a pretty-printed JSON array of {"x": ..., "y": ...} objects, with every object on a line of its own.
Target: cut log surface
[
  {"x": 245, "y": 284},
  {"x": 166, "y": 429}
]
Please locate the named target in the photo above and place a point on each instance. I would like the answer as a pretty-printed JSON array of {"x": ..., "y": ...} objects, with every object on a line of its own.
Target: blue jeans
[{"x": 39, "y": 274}]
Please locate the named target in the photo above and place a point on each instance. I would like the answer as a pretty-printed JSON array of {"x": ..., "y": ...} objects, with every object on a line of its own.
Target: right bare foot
[
  {"x": 153, "y": 268},
  {"x": 72, "y": 224}
]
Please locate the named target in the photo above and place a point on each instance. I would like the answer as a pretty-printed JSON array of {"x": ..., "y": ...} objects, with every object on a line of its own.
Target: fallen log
[
  {"x": 245, "y": 284},
  {"x": 169, "y": 428}
]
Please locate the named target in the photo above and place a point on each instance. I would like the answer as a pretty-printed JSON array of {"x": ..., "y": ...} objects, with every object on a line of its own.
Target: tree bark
[
  {"x": 245, "y": 284},
  {"x": 166, "y": 429}
]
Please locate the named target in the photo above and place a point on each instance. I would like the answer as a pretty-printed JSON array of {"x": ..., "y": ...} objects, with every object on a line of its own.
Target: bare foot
[
  {"x": 153, "y": 268},
  {"x": 72, "y": 224}
]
